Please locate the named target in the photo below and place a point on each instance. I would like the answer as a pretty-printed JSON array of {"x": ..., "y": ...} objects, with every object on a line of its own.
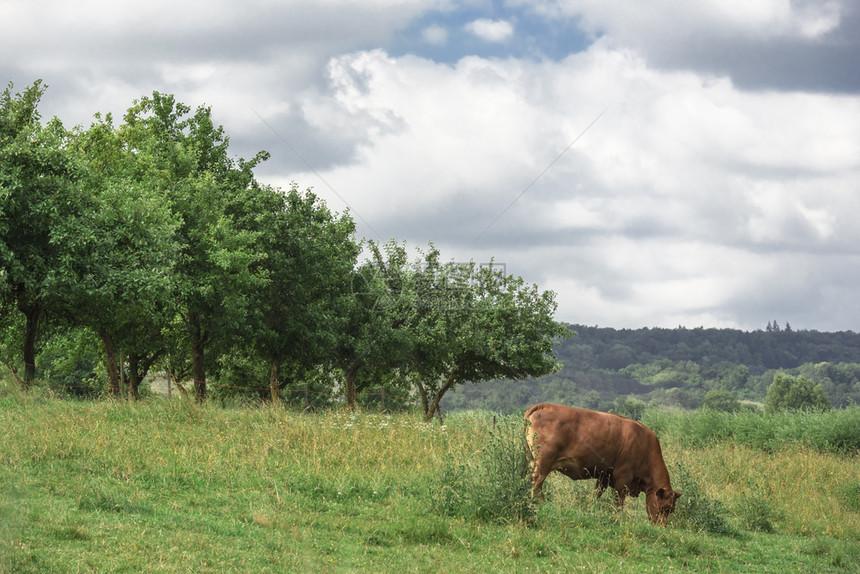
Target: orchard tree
[
  {"x": 476, "y": 323},
  {"x": 117, "y": 276},
  {"x": 375, "y": 335},
  {"x": 794, "y": 393},
  {"x": 220, "y": 259},
  {"x": 310, "y": 254},
  {"x": 38, "y": 190}
]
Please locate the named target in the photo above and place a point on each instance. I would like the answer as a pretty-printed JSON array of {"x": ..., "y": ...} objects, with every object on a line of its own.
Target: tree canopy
[
  {"x": 147, "y": 240},
  {"x": 794, "y": 393}
]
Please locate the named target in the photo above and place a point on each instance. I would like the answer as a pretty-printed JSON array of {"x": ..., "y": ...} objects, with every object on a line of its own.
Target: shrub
[
  {"x": 757, "y": 513},
  {"x": 794, "y": 393},
  {"x": 495, "y": 485},
  {"x": 695, "y": 509},
  {"x": 629, "y": 407},
  {"x": 721, "y": 400},
  {"x": 826, "y": 431}
]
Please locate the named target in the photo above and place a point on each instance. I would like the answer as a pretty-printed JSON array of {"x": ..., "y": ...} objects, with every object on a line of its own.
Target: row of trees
[
  {"x": 604, "y": 348},
  {"x": 151, "y": 236}
]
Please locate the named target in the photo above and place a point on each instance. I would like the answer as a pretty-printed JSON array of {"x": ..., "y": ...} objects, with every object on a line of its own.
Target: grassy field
[{"x": 166, "y": 486}]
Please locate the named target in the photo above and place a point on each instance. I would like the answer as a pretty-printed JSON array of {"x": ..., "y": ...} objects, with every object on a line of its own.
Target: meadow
[{"x": 171, "y": 486}]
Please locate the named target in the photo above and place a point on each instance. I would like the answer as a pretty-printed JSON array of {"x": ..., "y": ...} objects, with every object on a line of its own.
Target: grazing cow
[{"x": 616, "y": 451}]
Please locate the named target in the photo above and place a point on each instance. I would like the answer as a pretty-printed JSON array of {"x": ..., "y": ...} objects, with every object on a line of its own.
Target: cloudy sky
[{"x": 656, "y": 163}]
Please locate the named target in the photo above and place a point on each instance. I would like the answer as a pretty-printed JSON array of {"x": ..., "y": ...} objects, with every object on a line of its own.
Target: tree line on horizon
[
  {"x": 141, "y": 245},
  {"x": 609, "y": 369}
]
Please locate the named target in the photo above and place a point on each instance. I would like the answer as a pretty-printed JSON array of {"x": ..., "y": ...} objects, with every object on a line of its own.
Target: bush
[
  {"x": 830, "y": 431},
  {"x": 495, "y": 485},
  {"x": 720, "y": 400},
  {"x": 794, "y": 393},
  {"x": 757, "y": 514},
  {"x": 629, "y": 407},
  {"x": 696, "y": 510}
]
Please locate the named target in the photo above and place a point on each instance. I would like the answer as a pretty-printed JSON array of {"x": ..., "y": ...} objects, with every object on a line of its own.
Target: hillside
[
  {"x": 676, "y": 367},
  {"x": 613, "y": 349}
]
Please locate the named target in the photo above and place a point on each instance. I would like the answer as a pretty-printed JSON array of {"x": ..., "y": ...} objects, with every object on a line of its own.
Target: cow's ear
[{"x": 678, "y": 495}]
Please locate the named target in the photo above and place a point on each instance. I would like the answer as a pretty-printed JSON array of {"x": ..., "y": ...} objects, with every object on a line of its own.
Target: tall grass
[
  {"x": 494, "y": 483},
  {"x": 832, "y": 431},
  {"x": 174, "y": 486}
]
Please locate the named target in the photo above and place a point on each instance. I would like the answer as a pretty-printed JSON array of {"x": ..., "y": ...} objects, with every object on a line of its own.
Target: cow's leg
[
  {"x": 537, "y": 489},
  {"x": 541, "y": 469},
  {"x": 601, "y": 484},
  {"x": 620, "y": 494},
  {"x": 622, "y": 489}
]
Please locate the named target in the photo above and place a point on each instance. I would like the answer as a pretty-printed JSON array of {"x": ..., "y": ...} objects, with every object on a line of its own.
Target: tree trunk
[
  {"x": 434, "y": 406},
  {"x": 351, "y": 374},
  {"x": 422, "y": 392},
  {"x": 32, "y": 313},
  {"x": 138, "y": 369},
  {"x": 175, "y": 380},
  {"x": 110, "y": 364},
  {"x": 133, "y": 378},
  {"x": 198, "y": 362},
  {"x": 275, "y": 383}
]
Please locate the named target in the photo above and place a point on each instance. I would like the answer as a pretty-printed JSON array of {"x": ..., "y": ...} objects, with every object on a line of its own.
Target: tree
[
  {"x": 475, "y": 323},
  {"x": 117, "y": 277},
  {"x": 375, "y": 335},
  {"x": 629, "y": 407},
  {"x": 38, "y": 189},
  {"x": 310, "y": 255},
  {"x": 794, "y": 393},
  {"x": 726, "y": 376},
  {"x": 220, "y": 261}
]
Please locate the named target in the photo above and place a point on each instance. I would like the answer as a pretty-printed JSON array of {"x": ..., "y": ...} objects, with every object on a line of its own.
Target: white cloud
[
  {"x": 693, "y": 200},
  {"x": 491, "y": 30},
  {"x": 672, "y": 204}
]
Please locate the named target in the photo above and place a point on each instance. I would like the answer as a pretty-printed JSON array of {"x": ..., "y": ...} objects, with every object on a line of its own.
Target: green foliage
[
  {"x": 475, "y": 323},
  {"x": 794, "y": 393},
  {"x": 439, "y": 325},
  {"x": 721, "y": 400},
  {"x": 684, "y": 383},
  {"x": 695, "y": 509},
  {"x": 757, "y": 513},
  {"x": 826, "y": 431},
  {"x": 852, "y": 495},
  {"x": 494, "y": 484},
  {"x": 38, "y": 191},
  {"x": 629, "y": 407},
  {"x": 310, "y": 254},
  {"x": 70, "y": 361},
  {"x": 666, "y": 374}
]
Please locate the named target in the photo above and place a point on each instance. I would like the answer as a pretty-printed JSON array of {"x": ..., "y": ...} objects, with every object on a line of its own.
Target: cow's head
[{"x": 660, "y": 504}]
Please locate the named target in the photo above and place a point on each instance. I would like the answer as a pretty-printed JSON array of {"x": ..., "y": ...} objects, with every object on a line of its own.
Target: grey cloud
[{"x": 781, "y": 64}]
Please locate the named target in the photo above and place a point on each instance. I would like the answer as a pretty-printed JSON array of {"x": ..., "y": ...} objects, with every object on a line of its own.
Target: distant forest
[{"x": 605, "y": 368}]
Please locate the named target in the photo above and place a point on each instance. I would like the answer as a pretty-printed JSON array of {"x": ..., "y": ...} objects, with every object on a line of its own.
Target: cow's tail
[{"x": 531, "y": 448}]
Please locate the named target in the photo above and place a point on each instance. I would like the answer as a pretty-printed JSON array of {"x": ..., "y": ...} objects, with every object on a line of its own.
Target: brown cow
[{"x": 584, "y": 444}]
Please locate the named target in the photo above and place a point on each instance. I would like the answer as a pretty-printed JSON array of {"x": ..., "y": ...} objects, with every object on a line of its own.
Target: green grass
[{"x": 173, "y": 487}]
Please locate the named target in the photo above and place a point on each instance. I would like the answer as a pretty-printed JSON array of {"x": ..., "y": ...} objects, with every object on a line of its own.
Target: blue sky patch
[{"x": 446, "y": 37}]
